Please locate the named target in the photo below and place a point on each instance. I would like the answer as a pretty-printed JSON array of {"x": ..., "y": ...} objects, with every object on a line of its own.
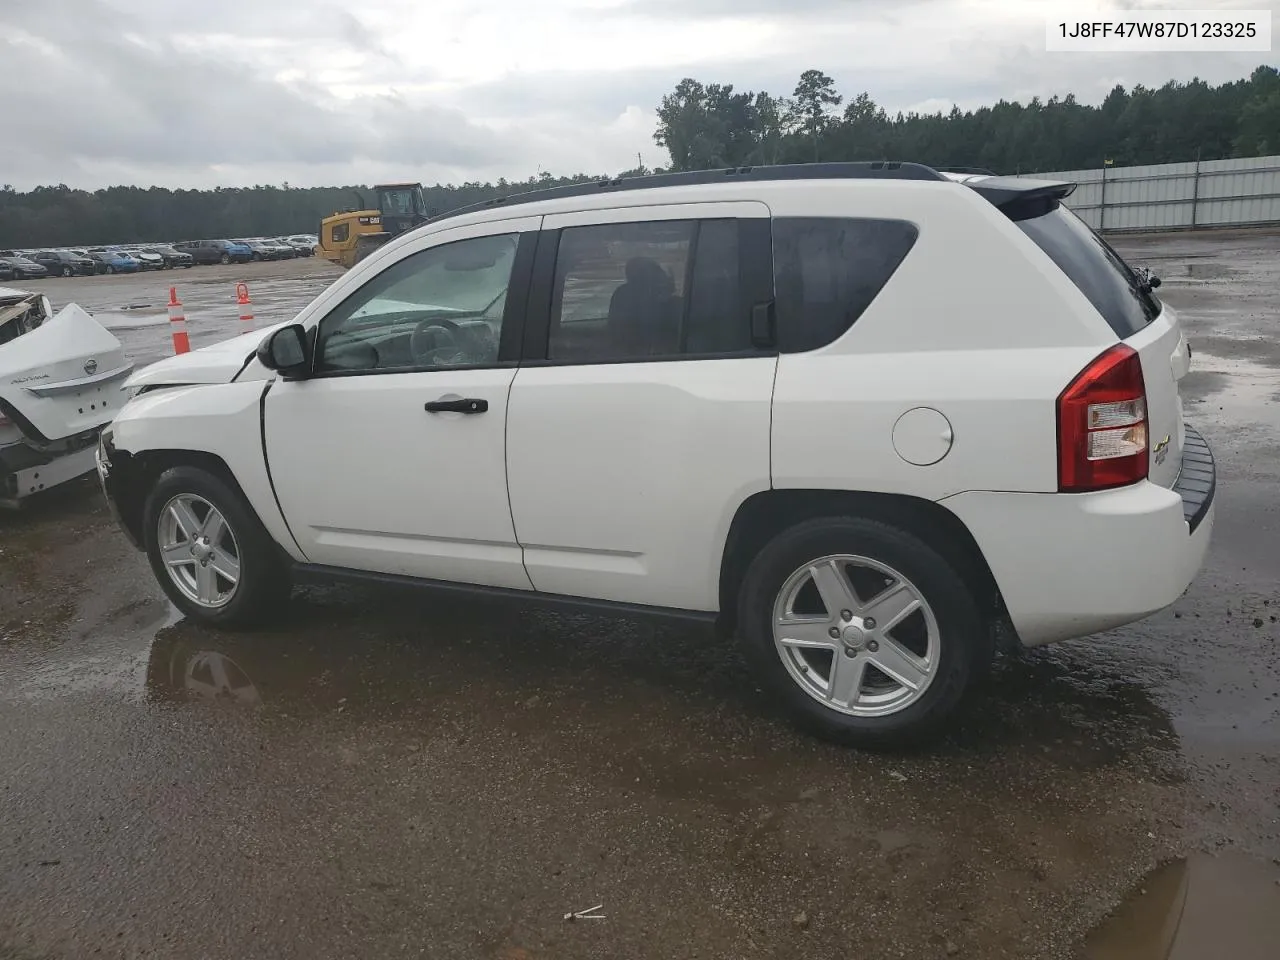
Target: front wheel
[
  {"x": 867, "y": 634},
  {"x": 110, "y": 269},
  {"x": 225, "y": 258},
  {"x": 67, "y": 271},
  {"x": 210, "y": 552}
]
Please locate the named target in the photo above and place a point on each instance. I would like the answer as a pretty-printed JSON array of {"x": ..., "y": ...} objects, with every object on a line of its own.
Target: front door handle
[{"x": 460, "y": 405}]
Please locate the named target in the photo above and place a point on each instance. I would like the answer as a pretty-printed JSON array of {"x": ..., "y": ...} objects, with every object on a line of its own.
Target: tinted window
[
  {"x": 339, "y": 233},
  {"x": 828, "y": 270},
  {"x": 441, "y": 307},
  {"x": 719, "y": 321},
  {"x": 1095, "y": 268},
  {"x": 632, "y": 291}
]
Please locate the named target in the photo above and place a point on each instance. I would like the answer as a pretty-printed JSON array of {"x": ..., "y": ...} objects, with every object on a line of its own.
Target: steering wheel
[{"x": 439, "y": 342}]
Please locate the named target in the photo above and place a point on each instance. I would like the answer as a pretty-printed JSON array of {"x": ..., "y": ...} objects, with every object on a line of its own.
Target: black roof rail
[{"x": 865, "y": 170}]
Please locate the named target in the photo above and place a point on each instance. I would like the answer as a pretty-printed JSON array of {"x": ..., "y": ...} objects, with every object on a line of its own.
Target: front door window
[{"x": 440, "y": 307}]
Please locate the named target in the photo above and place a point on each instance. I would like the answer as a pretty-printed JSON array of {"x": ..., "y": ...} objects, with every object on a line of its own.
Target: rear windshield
[{"x": 1095, "y": 268}]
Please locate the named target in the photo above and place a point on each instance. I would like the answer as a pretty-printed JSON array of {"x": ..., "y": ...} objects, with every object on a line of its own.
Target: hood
[{"x": 216, "y": 363}]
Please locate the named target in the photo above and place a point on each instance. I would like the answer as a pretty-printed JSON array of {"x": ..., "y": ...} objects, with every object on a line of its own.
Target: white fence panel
[{"x": 1176, "y": 196}]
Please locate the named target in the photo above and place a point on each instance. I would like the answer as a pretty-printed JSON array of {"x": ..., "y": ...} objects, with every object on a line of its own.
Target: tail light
[{"x": 1102, "y": 424}]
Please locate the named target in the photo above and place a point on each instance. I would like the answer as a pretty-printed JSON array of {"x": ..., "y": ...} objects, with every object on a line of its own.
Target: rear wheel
[
  {"x": 67, "y": 271},
  {"x": 867, "y": 634},
  {"x": 209, "y": 551}
]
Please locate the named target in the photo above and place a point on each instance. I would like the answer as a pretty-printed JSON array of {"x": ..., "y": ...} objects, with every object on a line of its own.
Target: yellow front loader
[{"x": 348, "y": 237}]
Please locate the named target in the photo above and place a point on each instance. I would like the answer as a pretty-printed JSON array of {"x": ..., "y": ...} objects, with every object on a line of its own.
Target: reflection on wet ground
[
  {"x": 333, "y": 655},
  {"x": 1195, "y": 909},
  {"x": 615, "y": 760}
]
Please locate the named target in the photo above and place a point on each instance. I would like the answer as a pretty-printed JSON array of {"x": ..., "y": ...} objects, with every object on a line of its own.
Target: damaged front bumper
[{"x": 123, "y": 493}]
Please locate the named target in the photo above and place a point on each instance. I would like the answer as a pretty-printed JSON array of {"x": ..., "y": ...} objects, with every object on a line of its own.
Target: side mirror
[{"x": 285, "y": 351}]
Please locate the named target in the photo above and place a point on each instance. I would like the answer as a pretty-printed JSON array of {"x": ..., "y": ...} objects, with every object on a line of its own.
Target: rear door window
[
  {"x": 827, "y": 270},
  {"x": 668, "y": 289},
  {"x": 1095, "y": 268}
]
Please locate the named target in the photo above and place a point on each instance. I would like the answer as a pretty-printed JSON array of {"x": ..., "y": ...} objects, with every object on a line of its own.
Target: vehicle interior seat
[{"x": 645, "y": 313}]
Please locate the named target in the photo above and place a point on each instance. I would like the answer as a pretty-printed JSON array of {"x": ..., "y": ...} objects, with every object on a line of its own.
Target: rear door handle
[{"x": 460, "y": 405}]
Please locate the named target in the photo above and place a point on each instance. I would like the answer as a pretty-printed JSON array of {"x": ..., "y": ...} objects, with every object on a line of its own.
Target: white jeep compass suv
[{"x": 875, "y": 418}]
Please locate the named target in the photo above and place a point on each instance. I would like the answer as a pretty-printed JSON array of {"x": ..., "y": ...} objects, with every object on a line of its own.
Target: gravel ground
[{"x": 383, "y": 776}]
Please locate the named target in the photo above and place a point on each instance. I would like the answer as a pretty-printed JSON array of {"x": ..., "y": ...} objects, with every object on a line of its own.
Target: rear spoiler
[{"x": 1020, "y": 198}]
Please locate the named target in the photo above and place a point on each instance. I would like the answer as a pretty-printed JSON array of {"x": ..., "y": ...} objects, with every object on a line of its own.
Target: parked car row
[{"x": 93, "y": 261}]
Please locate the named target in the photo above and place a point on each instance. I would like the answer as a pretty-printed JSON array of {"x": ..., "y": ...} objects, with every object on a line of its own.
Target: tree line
[
  {"x": 61, "y": 216},
  {"x": 705, "y": 126}
]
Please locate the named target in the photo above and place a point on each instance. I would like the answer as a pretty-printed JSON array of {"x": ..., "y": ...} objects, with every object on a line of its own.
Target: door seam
[
  {"x": 506, "y": 467},
  {"x": 266, "y": 464}
]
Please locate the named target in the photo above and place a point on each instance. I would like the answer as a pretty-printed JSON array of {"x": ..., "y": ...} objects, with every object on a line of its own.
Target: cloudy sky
[{"x": 232, "y": 92}]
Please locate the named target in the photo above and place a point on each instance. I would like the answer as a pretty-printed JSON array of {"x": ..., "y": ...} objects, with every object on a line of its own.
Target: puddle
[
  {"x": 1197, "y": 270},
  {"x": 114, "y": 320},
  {"x": 1195, "y": 909},
  {"x": 1245, "y": 378}
]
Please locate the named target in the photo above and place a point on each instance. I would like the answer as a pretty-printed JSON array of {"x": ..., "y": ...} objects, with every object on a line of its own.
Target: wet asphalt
[{"x": 385, "y": 775}]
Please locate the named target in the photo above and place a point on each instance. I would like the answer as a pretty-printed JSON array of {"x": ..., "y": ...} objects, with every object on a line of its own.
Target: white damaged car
[{"x": 60, "y": 384}]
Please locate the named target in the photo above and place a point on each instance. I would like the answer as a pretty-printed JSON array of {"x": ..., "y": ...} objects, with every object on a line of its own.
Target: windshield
[
  {"x": 1096, "y": 269},
  {"x": 398, "y": 202}
]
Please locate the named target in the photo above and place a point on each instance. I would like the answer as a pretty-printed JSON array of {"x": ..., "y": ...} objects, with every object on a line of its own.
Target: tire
[
  {"x": 949, "y": 645},
  {"x": 225, "y": 259},
  {"x": 257, "y": 257},
  {"x": 262, "y": 584},
  {"x": 67, "y": 271},
  {"x": 110, "y": 268}
]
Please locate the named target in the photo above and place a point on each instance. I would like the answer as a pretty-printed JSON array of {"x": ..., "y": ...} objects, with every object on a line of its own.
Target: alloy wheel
[
  {"x": 856, "y": 635},
  {"x": 199, "y": 550}
]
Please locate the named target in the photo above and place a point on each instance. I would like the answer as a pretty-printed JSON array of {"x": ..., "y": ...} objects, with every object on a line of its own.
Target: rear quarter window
[
  {"x": 1096, "y": 269},
  {"x": 828, "y": 270}
]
